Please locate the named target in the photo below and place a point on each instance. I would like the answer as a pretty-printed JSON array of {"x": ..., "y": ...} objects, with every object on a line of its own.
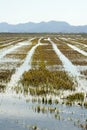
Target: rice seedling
[
  {"x": 76, "y": 97},
  {"x": 2, "y": 87},
  {"x": 34, "y": 41},
  {"x": 44, "y": 81},
  {"x": 5, "y": 75},
  {"x": 34, "y": 127},
  {"x": 43, "y": 40},
  {"x": 56, "y": 101},
  {"x": 85, "y": 104},
  {"x": 47, "y": 109},
  {"x": 46, "y": 54},
  {"x": 84, "y": 72}
]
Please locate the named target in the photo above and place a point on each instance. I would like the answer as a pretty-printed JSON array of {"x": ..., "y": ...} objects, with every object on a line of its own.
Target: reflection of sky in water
[{"x": 17, "y": 114}]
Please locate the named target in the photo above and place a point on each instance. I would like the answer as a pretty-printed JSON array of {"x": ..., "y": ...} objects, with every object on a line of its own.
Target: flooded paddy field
[{"x": 43, "y": 81}]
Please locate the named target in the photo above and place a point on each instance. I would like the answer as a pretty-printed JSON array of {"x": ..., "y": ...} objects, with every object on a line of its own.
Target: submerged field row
[
  {"x": 10, "y": 49},
  {"x": 11, "y": 43},
  {"x": 25, "y": 66},
  {"x": 6, "y": 40},
  {"x": 75, "y": 57},
  {"x": 45, "y": 55},
  {"x": 81, "y": 56},
  {"x": 10, "y": 61},
  {"x": 78, "y": 50},
  {"x": 71, "y": 69},
  {"x": 81, "y": 41},
  {"x": 77, "y": 44},
  {"x": 44, "y": 77},
  {"x": 68, "y": 66}
]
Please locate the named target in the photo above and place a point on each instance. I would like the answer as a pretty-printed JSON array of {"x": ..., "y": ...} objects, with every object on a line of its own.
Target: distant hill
[{"x": 51, "y": 26}]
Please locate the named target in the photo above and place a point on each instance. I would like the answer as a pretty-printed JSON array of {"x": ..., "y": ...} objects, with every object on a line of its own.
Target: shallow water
[{"x": 19, "y": 114}]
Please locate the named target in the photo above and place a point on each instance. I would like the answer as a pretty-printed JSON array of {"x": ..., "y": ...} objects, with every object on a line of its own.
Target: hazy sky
[{"x": 20, "y": 11}]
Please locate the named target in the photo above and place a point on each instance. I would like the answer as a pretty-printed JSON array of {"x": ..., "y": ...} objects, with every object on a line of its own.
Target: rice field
[{"x": 43, "y": 80}]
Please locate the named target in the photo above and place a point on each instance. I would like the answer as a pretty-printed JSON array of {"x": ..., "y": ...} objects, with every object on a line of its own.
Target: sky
[{"x": 22, "y": 11}]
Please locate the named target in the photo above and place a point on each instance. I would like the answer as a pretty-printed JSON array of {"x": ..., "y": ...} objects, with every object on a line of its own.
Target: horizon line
[{"x": 42, "y": 22}]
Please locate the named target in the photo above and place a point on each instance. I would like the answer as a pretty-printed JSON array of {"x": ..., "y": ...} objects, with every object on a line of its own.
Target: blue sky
[{"x": 21, "y": 11}]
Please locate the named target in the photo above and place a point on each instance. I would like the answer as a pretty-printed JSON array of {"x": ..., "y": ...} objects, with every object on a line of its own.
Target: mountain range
[{"x": 43, "y": 27}]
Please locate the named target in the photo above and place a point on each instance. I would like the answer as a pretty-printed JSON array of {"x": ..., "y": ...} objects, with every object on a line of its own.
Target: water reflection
[{"x": 24, "y": 113}]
